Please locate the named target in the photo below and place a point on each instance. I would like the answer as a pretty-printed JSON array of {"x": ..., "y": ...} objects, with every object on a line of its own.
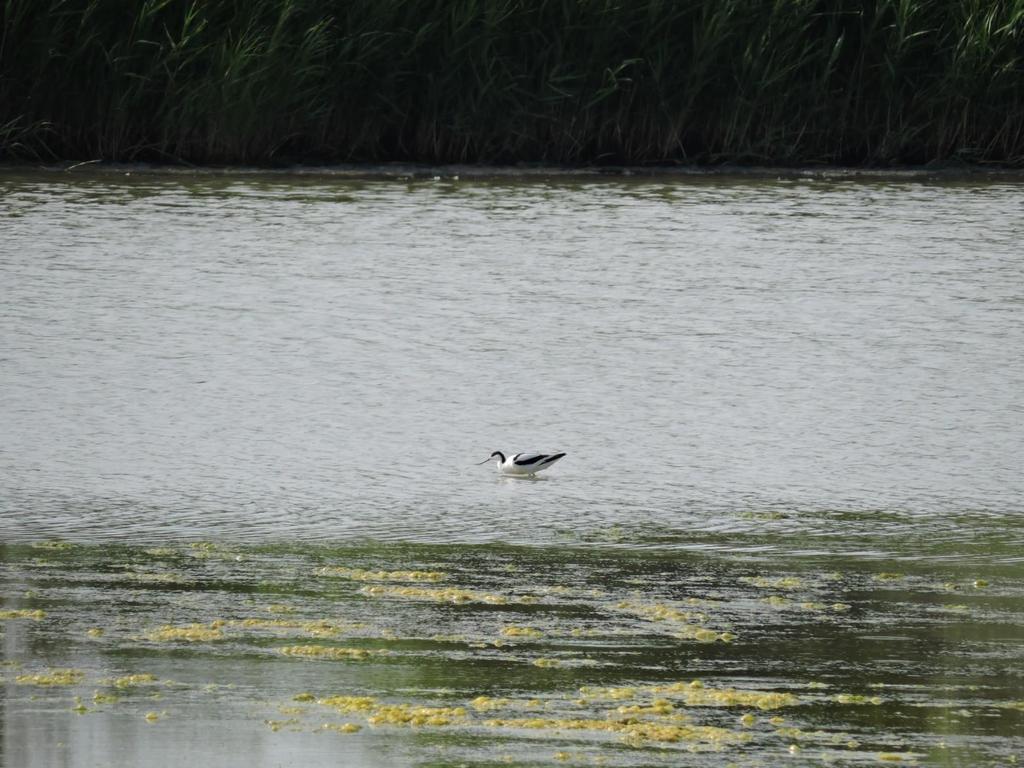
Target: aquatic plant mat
[{"x": 490, "y": 655}]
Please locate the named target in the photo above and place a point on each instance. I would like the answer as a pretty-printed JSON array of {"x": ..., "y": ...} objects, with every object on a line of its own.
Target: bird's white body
[{"x": 524, "y": 464}]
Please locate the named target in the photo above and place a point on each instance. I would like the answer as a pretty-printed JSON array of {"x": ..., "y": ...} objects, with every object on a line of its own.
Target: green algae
[
  {"x": 360, "y": 574},
  {"x": 280, "y": 608},
  {"x": 190, "y": 633},
  {"x": 331, "y": 652},
  {"x": 780, "y": 582},
  {"x": 342, "y": 727},
  {"x": 856, "y": 698},
  {"x": 34, "y": 615},
  {"x": 54, "y": 545},
  {"x": 631, "y": 732},
  {"x": 685, "y": 624},
  {"x": 636, "y": 726},
  {"x": 453, "y": 595},
  {"x": 277, "y": 725},
  {"x": 546, "y": 663},
  {"x": 379, "y": 713},
  {"x": 607, "y": 657},
  {"x": 527, "y": 632},
  {"x": 696, "y": 694},
  {"x": 308, "y": 627},
  {"x": 132, "y": 681},
  {"x": 53, "y": 677}
]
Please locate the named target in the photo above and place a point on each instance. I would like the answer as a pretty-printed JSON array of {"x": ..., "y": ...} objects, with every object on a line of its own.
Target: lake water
[{"x": 239, "y": 417}]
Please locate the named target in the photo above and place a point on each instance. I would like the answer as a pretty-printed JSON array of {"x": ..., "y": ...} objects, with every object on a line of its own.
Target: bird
[{"x": 523, "y": 464}]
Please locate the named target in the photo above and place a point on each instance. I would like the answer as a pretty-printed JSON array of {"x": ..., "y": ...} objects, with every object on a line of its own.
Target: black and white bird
[{"x": 523, "y": 463}]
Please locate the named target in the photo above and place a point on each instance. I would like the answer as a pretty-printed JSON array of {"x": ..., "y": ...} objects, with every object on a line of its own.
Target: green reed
[{"x": 557, "y": 81}]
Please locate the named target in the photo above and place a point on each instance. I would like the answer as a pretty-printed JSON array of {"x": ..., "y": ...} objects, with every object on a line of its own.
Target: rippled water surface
[{"x": 238, "y": 422}]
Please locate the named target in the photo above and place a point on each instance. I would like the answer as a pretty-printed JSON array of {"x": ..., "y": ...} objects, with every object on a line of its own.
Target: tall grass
[{"x": 558, "y": 81}]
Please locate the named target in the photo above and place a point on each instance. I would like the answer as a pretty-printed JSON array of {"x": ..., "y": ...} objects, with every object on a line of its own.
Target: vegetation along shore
[{"x": 864, "y": 83}]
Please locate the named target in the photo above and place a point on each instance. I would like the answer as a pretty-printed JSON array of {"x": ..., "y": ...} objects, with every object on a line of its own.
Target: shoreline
[{"x": 455, "y": 172}]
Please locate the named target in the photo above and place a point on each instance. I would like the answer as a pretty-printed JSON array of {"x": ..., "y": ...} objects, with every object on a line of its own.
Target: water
[{"x": 794, "y": 433}]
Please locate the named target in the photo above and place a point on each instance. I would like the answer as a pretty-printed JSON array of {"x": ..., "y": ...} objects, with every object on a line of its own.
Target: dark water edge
[{"x": 529, "y": 171}]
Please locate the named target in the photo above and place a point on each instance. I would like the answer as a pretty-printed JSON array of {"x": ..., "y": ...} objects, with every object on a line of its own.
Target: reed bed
[{"x": 874, "y": 82}]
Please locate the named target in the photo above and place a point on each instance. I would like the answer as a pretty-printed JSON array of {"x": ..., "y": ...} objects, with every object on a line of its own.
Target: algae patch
[
  {"x": 855, "y": 698},
  {"x": 132, "y": 681},
  {"x": 632, "y": 732},
  {"x": 34, "y": 615},
  {"x": 695, "y": 694},
  {"x": 686, "y": 624},
  {"x": 342, "y": 727},
  {"x": 639, "y": 715},
  {"x": 782, "y": 582},
  {"x": 545, "y": 663},
  {"x": 53, "y": 677},
  {"x": 514, "y": 631},
  {"x": 54, "y": 545},
  {"x": 190, "y": 633},
  {"x": 378, "y": 713},
  {"x": 452, "y": 595},
  {"x": 311, "y": 627},
  {"x": 359, "y": 574},
  {"x": 331, "y": 652}
]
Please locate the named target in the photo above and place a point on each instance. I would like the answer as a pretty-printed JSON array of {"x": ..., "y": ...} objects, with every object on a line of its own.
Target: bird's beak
[{"x": 483, "y": 462}]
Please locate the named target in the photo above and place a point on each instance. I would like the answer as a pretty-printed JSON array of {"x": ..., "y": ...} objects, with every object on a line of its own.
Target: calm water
[{"x": 239, "y": 416}]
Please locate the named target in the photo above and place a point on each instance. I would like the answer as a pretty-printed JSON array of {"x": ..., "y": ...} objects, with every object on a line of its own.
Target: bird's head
[{"x": 496, "y": 455}]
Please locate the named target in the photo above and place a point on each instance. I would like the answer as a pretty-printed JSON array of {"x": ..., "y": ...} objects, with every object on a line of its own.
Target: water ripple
[{"x": 744, "y": 366}]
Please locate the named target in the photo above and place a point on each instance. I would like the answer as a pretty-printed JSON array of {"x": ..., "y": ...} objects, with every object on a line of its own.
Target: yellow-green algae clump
[
  {"x": 632, "y": 732},
  {"x": 514, "y": 631},
  {"x": 52, "y": 677},
  {"x": 280, "y": 608},
  {"x": 131, "y": 681},
  {"x": 856, "y": 698},
  {"x": 782, "y": 582},
  {"x": 694, "y": 694},
  {"x": 191, "y": 633},
  {"x": 22, "y": 613},
  {"x": 439, "y": 595},
  {"x": 546, "y": 663},
  {"x": 489, "y": 703},
  {"x": 342, "y": 727},
  {"x": 653, "y": 719},
  {"x": 54, "y": 545},
  {"x": 378, "y": 713},
  {"x": 331, "y": 652},
  {"x": 687, "y": 624},
  {"x": 311, "y": 627},
  {"x": 359, "y": 574}
]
